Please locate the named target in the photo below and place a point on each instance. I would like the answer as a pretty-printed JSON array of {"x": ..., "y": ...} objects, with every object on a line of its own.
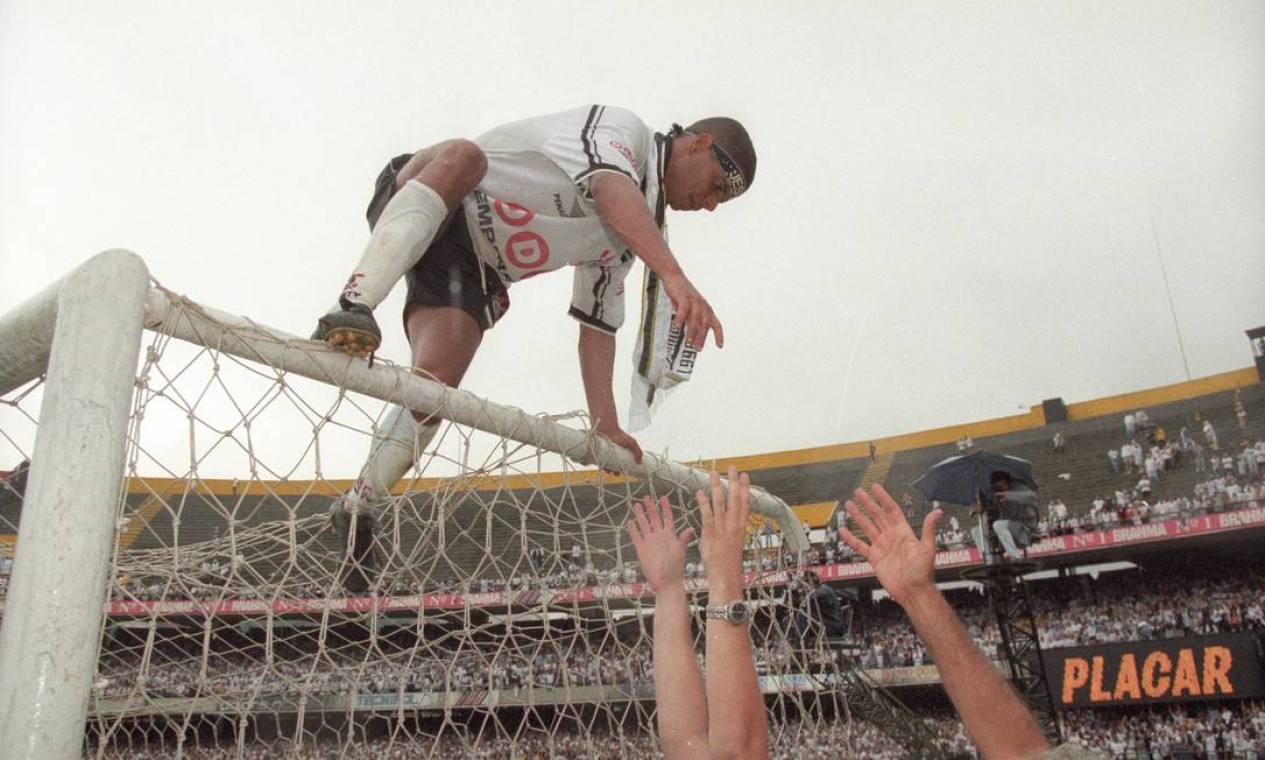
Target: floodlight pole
[
  {"x": 1168, "y": 290},
  {"x": 53, "y": 615}
]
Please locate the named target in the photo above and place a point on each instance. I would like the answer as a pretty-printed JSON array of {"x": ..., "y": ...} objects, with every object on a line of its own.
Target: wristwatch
[{"x": 735, "y": 612}]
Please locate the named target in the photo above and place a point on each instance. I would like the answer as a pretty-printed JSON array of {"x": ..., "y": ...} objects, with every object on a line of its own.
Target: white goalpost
[
  {"x": 171, "y": 609},
  {"x": 85, "y": 332}
]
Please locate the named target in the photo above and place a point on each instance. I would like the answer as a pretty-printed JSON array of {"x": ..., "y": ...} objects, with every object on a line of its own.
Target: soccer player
[{"x": 463, "y": 219}]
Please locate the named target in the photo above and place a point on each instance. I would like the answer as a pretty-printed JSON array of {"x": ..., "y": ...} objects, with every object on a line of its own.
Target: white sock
[
  {"x": 397, "y": 444},
  {"x": 399, "y": 239}
]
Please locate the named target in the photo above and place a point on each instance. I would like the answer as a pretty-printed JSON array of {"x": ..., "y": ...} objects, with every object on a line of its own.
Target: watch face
[{"x": 739, "y": 612}]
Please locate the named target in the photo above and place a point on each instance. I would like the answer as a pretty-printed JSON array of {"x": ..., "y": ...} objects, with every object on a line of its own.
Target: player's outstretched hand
[
  {"x": 902, "y": 562},
  {"x": 693, "y": 312},
  {"x": 724, "y": 518},
  {"x": 616, "y": 435},
  {"x": 660, "y": 549}
]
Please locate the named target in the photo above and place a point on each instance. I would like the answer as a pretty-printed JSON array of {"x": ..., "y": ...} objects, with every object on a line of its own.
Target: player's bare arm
[
  {"x": 678, "y": 684},
  {"x": 741, "y": 728},
  {"x": 597, "y": 370},
  {"x": 623, "y": 208},
  {"x": 997, "y": 720}
]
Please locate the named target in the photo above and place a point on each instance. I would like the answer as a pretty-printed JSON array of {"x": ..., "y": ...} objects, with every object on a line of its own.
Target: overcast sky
[{"x": 961, "y": 208}]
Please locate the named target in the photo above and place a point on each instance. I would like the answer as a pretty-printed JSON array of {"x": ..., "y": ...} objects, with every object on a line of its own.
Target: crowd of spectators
[
  {"x": 1151, "y": 454},
  {"x": 1139, "y": 607},
  {"x": 1123, "y": 606},
  {"x": 569, "y": 663},
  {"x": 1132, "y": 505},
  {"x": 1230, "y": 730},
  {"x": 1231, "y": 480},
  {"x": 803, "y": 739},
  {"x": 833, "y": 739},
  {"x": 213, "y": 579},
  {"x": 1222, "y": 490}
]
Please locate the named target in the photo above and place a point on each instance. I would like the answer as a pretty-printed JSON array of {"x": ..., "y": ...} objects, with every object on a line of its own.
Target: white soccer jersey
[{"x": 533, "y": 211}]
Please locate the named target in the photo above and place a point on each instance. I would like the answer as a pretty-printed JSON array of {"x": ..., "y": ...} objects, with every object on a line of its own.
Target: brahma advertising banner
[{"x": 1224, "y": 666}]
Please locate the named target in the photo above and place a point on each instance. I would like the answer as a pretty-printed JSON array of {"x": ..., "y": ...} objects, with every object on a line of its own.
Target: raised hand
[
  {"x": 903, "y": 563},
  {"x": 724, "y": 520},
  {"x": 660, "y": 549}
]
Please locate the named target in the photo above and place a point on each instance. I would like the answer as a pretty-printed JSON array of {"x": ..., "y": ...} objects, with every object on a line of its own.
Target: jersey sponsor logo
[
  {"x": 560, "y": 205},
  {"x": 513, "y": 214},
  {"x": 623, "y": 150},
  {"x": 483, "y": 216},
  {"x": 527, "y": 250}
]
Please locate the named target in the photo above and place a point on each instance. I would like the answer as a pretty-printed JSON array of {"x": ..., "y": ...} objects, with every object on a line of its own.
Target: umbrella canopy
[{"x": 959, "y": 479}]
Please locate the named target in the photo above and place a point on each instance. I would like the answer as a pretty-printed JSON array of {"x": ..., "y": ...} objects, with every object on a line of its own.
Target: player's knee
[
  {"x": 441, "y": 375},
  {"x": 447, "y": 372},
  {"x": 465, "y": 160},
  {"x": 452, "y": 168}
]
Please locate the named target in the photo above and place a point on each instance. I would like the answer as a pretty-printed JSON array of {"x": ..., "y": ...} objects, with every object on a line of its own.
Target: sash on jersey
[{"x": 661, "y": 359}]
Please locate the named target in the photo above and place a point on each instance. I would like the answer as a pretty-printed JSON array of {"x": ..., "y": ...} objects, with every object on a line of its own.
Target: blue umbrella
[{"x": 960, "y": 479}]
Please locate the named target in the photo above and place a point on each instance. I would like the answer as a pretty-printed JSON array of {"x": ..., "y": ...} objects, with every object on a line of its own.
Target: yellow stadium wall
[
  {"x": 1127, "y": 402},
  {"x": 1035, "y": 418}
]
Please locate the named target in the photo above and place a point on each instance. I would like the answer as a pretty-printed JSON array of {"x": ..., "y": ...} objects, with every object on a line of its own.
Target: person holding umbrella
[
  {"x": 999, "y": 486},
  {"x": 1013, "y": 510}
]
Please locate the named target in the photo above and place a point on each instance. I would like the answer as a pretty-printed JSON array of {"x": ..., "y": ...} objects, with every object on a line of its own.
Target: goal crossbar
[{"x": 180, "y": 318}]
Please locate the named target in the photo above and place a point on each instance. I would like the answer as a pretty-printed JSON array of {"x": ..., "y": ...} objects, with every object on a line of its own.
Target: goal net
[{"x": 169, "y": 572}]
